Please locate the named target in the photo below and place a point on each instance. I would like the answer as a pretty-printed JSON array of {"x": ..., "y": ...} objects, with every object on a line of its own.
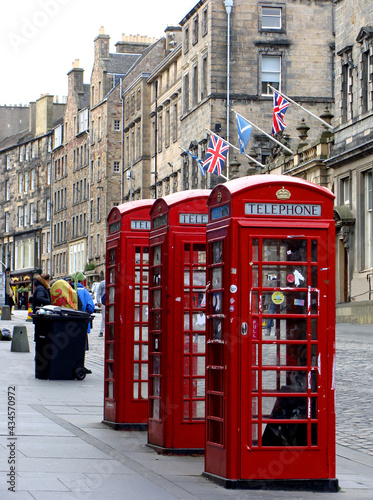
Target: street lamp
[{"x": 228, "y": 8}]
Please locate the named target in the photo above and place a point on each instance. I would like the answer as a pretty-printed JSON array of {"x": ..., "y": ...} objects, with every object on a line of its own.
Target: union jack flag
[
  {"x": 216, "y": 155},
  {"x": 280, "y": 105}
]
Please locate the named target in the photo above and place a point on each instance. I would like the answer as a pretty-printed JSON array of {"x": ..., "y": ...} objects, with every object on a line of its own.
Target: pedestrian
[
  {"x": 101, "y": 303},
  {"x": 85, "y": 302},
  {"x": 41, "y": 296}
]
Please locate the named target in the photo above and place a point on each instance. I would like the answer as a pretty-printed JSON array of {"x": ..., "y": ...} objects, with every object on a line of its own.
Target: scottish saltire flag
[
  {"x": 216, "y": 155},
  {"x": 244, "y": 132},
  {"x": 280, "y": 105},
  {"x": 198, "y": 160}
]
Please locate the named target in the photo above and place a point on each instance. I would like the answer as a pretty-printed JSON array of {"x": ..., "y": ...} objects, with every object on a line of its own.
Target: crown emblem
[
  {"x": 283, "y": 194},
  {"x": 219, "y": 196}
]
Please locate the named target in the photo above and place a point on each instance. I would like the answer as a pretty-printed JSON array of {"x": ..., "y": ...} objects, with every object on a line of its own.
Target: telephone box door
[{"x": 286, "y": 366}]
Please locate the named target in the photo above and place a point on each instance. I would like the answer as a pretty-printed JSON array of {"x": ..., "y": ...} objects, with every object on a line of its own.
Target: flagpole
[
  {"x": 265, "y": 133},
  {"x": 299, "y": 106}
]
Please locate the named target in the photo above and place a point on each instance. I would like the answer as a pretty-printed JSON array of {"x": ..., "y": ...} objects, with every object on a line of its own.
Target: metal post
[{"x": 228, "y": 7}]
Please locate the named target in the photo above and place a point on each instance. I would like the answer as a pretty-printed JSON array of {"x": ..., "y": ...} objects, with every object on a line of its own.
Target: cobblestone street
[{"x": 354, "y": 386}]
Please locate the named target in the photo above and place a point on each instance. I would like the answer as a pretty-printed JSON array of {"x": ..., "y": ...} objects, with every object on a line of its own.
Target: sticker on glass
[
  {"x": 298, "y": 302},
  {"x": 277, "y": 297},
  {"x": 233, "y": 288}
]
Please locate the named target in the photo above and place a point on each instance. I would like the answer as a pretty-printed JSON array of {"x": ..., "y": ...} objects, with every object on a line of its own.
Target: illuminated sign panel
[{"x": 283, "y": 209}]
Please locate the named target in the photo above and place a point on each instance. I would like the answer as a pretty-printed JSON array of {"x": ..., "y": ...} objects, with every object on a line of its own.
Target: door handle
[{"x": 243, "y": 328}]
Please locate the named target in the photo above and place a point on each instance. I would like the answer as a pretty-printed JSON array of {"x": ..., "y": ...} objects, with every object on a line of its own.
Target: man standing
[{"x": 100, "y": 303}]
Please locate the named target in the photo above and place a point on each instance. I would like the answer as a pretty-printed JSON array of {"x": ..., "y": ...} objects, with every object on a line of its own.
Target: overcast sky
[{"x": 40, "y": 39}]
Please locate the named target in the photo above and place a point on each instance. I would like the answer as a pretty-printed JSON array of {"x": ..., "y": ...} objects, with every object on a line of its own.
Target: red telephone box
[
  {"x": 126, "y": 309},
  {"x": 177, "y": 323},
  {"x": 270, "y": 335}
]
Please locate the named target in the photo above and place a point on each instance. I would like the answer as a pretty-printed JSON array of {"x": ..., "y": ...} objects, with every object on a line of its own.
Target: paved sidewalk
[{"x": 64, "y": 452}]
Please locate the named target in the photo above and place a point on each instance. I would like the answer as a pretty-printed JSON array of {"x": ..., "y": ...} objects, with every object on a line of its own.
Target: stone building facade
[
  {"x": 26, "y": 169},
  {"x": 13, "y": 119},
  {"x": 351, "y": 160}
]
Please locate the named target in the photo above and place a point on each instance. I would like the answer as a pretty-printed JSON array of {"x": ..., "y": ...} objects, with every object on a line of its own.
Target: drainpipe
[{"x": 228, "y": 7}]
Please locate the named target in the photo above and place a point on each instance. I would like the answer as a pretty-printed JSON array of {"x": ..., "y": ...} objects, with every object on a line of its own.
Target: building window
[
  {"x": 7, "y": 222},
  {"x": 186, "y": 39},
  {"x": 167, "y": 128},
  {"x": 32, "y": 208},
  {"x": 58, "y": 134},
  {"x": 271, "y": 73},
  {"x": 175, "y": 122},
  {"x": 138, "y": 99},
  {"x": 271, "y": 18},
  {"x": 204, "y": 78},
  {"x": 83, "y": 120},
  {"x": 195, "y": 86},
  {"x": 195, "y": 30},
  {"x": 345, "y": 191},
  {"x": 91, "y": 211},
  {"x": 33, "y": 179},
  {"x": 7, "y": 190},
  {"x": 49, "y": 173},
  {"x": 116, "y": 167},
  {"x": 364, "y": 81},
  {"x": 98, "y": 209},
  {"x": 8, "y": 162},
  {"x": 20, "y": 216},
  {"x": 204, "y": 23},
  {"x": 48, "y": 210},
  {"x": 186, "y": 93},
  {"x": 367, "y": 243},
  {"x": 21, "y": 153},
  {"x": 20, "y": 183},
  {"x": 117, "y": 125},
  {"x": 98, "y": 169}
]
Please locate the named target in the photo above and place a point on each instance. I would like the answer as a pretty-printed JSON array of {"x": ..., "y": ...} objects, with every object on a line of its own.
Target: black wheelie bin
[{"x": 60, "y": 342}]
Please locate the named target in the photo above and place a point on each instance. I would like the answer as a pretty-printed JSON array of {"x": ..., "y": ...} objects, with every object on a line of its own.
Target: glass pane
[
  {"x": 109, "y": 370},
  {"x": 217, "y": 277},
  {"x": 137, "y": 294},
  {"x": 155, "y": 413},
  {"x": 254, "y": 380},
  {"x": 290, "y": 249},
  {"x": 199, "y": 277},
  {"x": 186, "y": 277},
  {"x": 284, "y": 302},
  {"x": 137, "y": 275},
  {"x": 313, "y": 329},
  {"x": 145, "y": 255},
  {"x": 186, "y": 365},
  {"x": 111, "y": 257},
  {"x": 111, "y": 332},
  {"x": 144, "y": 371},
  {"x": 199, "y": 321},
  {"x": 254, "y": 296},
  {"x": 157, "y": 256},
  {"x": 284, "y": 276},
  {"x": 186, "y": 388},
  {"x": 111, "y": 314},
  {"x": 284, "y": 355},
  {"x": 156, "y": 316},
  {"x": 217, "y": 252},
  {"x": 314, "y": 250},
  {"x": 144, "y": 336},
  {"x": 112, "y": 276},
  {"x": 199, "y": 343},
  {"x": 198, "y": 365},
  {"x": 187, "y": 253},
  {"x": 187, "y": 343},
  {"x": 138, "y": 255},
  {"x": 156, "y": 386},
  {"x": 145, "y": 313},
  {"x": 145, "y": 276},
  {"x": 136, "y": 390},
  {"x": 145, "y": 294},
  {"x": 186, "y": 410},
  {"x": 199, "y": 388},
  {"x": 156, "y": 364},
  {"x": 186, "y": 321},
  {"x": 157, "y": 277},
  {"x": 144, "y": 390},
  {"x": 284, "y": 434},
  {"x": 254, "y": 407},
  {"x": 136, "y": 333},
  {"x": 110, "y": 351},
  {"x": 135, "y": 371},
  {"x": 199, "y": 254},
  {"x": 217, "y": 302},
  {"x": 285, "y": 329},
  {"x": 144, "y": 352},
  {"x": 284, "y": 381},
  {"x": 136, "y": 349},
  {"x": 111, "y": 294},
  {"x": 314, "y": 302},
  {"x": 110, "y": 389},
  {"x": 137, "y": 313},
  {"x": 271, "y": 63},
  {"x": 216, "y": 328},
  {"x": 255, "y": 249},
  {"x": 198, "y": 410},
  {"x": 254, "y": 435},
  {"x": 255, "y": 276}
]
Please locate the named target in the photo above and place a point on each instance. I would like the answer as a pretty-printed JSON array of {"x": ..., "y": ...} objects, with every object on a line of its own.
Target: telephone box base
[
  {"x": 176, "y": 451},
  {"x": 326, "y": 485},
  {"x": 125, "y": 427}
]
